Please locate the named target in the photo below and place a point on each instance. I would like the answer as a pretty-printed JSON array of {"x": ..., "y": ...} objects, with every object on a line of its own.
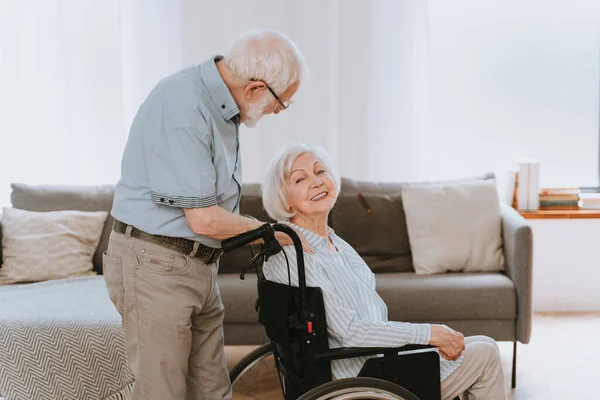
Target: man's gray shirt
[{"x": 182, "y": 152}]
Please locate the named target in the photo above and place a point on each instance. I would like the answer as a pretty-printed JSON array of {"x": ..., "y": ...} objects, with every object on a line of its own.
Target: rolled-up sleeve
[{"x": 181, "y": 172}]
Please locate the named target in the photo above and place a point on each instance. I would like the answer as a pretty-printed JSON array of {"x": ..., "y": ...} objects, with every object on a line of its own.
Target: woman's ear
[{"x": 253, "y": 89}]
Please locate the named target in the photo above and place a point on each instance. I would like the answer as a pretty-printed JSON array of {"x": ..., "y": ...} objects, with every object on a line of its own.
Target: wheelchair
[{"x": 296, "y": 364}]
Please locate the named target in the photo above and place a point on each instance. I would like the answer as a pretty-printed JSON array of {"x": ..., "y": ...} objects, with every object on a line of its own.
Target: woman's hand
[{"x": 449, "y": 342}]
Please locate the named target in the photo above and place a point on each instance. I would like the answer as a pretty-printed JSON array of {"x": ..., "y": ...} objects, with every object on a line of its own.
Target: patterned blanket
[{"x": 62, "y": 340}]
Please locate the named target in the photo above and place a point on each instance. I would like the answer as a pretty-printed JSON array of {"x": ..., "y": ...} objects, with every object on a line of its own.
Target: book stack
[
  {"x": 589, "y": 201},
  {"x": 559, "y": 198}
]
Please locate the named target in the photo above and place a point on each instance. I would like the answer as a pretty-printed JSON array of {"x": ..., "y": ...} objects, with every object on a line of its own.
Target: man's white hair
[
  {"x": 274, "y": 184},
  {"x": 268, "y": 56}
]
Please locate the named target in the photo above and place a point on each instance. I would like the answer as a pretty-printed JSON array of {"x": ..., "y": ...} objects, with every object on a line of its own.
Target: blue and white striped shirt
[{"x": 356, "y": 314}]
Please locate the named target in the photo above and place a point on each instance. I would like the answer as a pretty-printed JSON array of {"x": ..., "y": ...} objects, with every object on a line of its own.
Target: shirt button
[
  {"x": 222, "y": 105},
  {"x": 171, "y": 202},
  {"x": 162, "y": 199}
]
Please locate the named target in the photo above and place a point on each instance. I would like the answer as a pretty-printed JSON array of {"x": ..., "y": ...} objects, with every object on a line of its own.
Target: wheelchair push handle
[
  {"x": 267, "y": 233},
  {"x": 244, "y": 238}
]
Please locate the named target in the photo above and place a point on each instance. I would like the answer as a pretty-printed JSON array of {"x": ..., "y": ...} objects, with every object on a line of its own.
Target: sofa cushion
[
  {"x": 251, "y": 189},
  {"x": 235, "y": 261},
  {"x": 454, "y": 227},
  {"x": 239, "y": 298},
  {"x": 57, "y": 198},
  {"x": 454, "y": 296},
  {"x": 379, "y": 237},
  {"x": 252, "y": 205}
]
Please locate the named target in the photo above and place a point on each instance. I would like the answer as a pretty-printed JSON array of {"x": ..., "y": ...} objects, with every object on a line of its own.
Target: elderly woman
[{"x": 300, "y": 189}]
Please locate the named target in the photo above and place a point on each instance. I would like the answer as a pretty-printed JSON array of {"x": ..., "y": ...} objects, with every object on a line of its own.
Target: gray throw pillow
[{"x": 379, "y": 237}]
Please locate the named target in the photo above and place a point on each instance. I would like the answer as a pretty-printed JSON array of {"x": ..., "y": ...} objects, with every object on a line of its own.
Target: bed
[{"x": 61, "y": 339}]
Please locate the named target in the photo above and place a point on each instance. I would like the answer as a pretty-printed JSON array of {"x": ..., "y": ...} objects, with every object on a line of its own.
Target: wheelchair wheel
[
  {"x": 255, "y": 376},
  {"x": 358, "y": 388}
]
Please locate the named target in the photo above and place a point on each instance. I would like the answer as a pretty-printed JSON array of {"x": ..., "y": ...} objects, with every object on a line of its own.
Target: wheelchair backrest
[{"x": 279, "y": 313}]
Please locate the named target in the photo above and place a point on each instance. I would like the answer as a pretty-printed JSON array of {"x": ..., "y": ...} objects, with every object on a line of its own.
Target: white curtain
[
  {"x": 73, "y": 72},
  {"x": 61, "y": 111}
]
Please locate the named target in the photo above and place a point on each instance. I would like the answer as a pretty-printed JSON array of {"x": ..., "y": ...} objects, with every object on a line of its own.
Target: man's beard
[{"x": 254, "y": 112}]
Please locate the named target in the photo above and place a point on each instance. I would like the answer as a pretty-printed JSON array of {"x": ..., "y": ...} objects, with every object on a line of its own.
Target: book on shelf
[
  {"x": 590, "y": 189},
  {"x": 527, "y": 189},
  {"x": 559, "y": 197},
  {"x": 590, "y": 196},
  {"x": 558, "y": 202},
  {"x": 589, "y": 206},
  {"x": 558, "y": 208},
  {"x": 564, "y": 198},
  {"x": 589, "y": 201},
  {"x": 560, "y": 191}
]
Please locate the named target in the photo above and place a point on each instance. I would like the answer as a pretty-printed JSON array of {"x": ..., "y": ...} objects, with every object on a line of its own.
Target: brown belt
[{"x": 181, "y": 245}]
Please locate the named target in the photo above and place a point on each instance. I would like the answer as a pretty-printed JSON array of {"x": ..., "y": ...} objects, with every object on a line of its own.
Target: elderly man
[
  {"x": 300, "y": 189},
  {"x": 177, "y": 198}
]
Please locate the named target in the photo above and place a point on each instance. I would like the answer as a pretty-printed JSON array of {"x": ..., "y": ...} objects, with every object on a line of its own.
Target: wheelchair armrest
[{"x": 351, "y": 352}]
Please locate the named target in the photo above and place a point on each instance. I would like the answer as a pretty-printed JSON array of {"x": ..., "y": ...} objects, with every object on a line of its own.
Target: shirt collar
[
  {"x": 316, "y": 241},
  {"x": 218, "y": 90}
]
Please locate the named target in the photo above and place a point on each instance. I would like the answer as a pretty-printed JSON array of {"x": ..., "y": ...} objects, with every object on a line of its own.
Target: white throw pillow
[
  {"x": 38, "y": 246},
  {"x": 454, "y": 227}
]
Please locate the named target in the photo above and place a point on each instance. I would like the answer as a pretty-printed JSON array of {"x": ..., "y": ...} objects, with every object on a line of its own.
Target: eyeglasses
[{"x": 283, "y": 104}]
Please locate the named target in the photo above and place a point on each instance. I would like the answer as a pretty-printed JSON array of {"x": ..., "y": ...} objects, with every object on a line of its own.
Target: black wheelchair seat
[{"x": 302, "y": 348}]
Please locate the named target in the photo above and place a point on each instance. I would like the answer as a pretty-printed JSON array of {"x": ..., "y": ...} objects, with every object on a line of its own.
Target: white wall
[
  {"x": 566, "y": 265},
  {"x": 514, "y": 79},
  {"x": 329, "y": 110},
  {"x": 361, "y": 102},
  {"x": 416, "y": 90}
]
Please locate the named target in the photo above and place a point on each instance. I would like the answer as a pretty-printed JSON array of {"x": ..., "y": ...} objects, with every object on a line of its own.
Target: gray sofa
[{"x": 494, "y": 304}]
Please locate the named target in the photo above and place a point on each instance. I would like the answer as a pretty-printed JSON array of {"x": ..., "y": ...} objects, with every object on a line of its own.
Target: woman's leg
[
  {"x": 481, "y": 338},
  {"x": 480, "y": 373}
]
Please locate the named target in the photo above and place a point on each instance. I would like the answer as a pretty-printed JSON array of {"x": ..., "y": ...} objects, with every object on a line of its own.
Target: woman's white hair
[
  {"x": 266, "y": 55},
  {"x": 274, "y": 184}
]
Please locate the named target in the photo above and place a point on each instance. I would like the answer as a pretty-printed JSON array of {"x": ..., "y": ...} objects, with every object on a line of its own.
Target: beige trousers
[
  {"x": 172, "y": 317},
  {"x": 480, "y": 375}
]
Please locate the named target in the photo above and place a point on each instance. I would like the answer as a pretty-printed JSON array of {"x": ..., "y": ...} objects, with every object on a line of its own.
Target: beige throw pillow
[
  {"x": 454, "y": 227},
  {"x": 38, "y": 246}
]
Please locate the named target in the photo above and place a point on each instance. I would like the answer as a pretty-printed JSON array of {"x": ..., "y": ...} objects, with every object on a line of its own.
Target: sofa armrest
[{"x": 518, "y": 259}]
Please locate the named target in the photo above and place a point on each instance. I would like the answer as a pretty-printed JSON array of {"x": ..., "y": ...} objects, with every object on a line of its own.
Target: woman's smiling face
[{"x": 309, "y": 187}]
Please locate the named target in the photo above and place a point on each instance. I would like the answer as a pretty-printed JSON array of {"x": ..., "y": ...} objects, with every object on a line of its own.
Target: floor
[{"x": 560, "y": 362}]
